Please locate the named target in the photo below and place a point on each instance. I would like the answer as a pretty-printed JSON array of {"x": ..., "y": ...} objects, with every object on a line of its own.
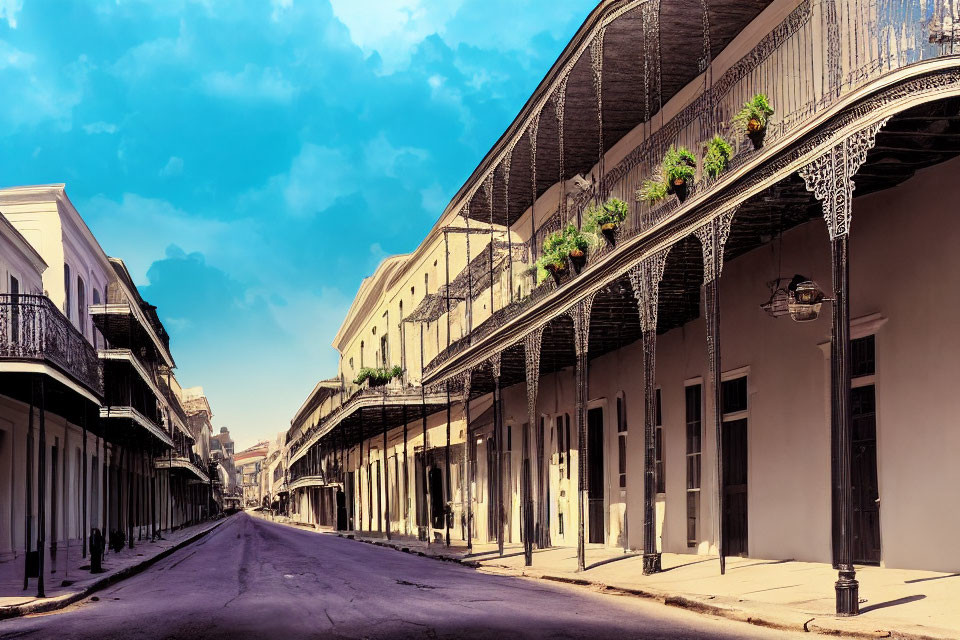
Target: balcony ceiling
[{"x": 625, "y": 66}]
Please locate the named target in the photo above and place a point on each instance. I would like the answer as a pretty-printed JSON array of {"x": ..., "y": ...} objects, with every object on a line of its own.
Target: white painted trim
[
  {"x": 739, "y": 372},
  {"x": 132, "y": 414},
  {"x": 692, "y": 382},
  {"x": 36, "y": 367}
]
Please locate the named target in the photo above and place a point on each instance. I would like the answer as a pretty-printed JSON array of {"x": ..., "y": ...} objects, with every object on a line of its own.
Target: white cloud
[
  {"x": 138, "y": 230},
  {"x": 174, "y": 167},
  {"x": 9, "y": 10},
  {"x": 434, "y": 199},
  {"x": 317, "y": 177},
  {"x": 382, "y": 158},
  {"x": 41, "y": 97},
  {"x": 143, "y": 59},
  {"x": 394, "y": 28},
  {"x": 99, "y": 127},
  {"x": 253, "y": 83},
  {"x": 279, "y": 8}
]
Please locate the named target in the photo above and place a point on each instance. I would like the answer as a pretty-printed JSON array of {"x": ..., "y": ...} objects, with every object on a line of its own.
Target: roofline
[
  {"x": 387, "y": 267},
  {"x": 323, "y": 384}
]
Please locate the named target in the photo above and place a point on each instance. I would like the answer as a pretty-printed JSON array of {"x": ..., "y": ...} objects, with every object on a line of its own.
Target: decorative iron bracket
[
  {"x": 645, "y": 279},
  {"x": 496, "y": 361},
  {"x": 713, "y": 237},
  {"x": 830, "y": 177},
  {"x": 531, "y": 358}
]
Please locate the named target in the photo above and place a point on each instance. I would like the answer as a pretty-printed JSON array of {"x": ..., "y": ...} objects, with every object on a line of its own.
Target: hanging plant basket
[
  {"x": 578, "y": 259},
  {"x": 559, "y": 272},
  {"x": 609, "y": 231},
  {"x": 680, "y": 189},
  {"x": 756, "y": 132}
]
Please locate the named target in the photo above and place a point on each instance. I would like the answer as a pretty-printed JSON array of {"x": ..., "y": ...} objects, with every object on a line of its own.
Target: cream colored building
[
  {"x": 92, "y": 429},
  {"x": 663, "y": 398}
]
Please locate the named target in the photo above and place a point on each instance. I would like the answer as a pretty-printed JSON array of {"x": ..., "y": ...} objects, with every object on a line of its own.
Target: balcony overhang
[
  {"x": 750, "y": 174},
  {"x": 105, "y": 316},
  {"x": 135, "y": 417},
  {"x": 375, "y": 409},
  {"x": 181, "y": 463},
  {"x": 42, "y": 368},
  {"x": 308, "y": 481}
]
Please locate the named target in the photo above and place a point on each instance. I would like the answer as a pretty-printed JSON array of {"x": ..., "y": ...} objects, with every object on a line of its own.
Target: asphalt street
[{"x": 255, "y": 579}]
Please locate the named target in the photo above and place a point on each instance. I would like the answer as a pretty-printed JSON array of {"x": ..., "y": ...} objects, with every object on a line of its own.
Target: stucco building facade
[
  {"x": 759, "y": 366},
  {"x": 93, "y": 431}
]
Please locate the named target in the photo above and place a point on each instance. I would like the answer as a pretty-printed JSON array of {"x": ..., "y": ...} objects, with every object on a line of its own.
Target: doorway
[
  {"x": 435, "y": 482},
  {"x": 866, "y": 492},
  {"x": 595, "y": 497},
  {"x": 735, "y": 487}
]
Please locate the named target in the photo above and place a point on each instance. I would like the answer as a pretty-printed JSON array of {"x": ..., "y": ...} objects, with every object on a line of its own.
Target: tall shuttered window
[{"x": 694, "y": 410}]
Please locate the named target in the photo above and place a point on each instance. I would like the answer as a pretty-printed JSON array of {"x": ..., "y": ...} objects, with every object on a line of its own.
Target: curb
[
  {"x": 785, "y": 621},
  {"x": 59, "y": 602}
]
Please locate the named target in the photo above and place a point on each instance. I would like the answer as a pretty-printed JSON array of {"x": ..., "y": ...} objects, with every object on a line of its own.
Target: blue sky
[{"x": 253, "y": 161}]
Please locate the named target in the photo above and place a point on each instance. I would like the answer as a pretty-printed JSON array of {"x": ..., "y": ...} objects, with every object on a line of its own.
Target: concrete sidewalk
[
  {"x": 69, "y": 583},
  {"x": 783, "y": 594}
]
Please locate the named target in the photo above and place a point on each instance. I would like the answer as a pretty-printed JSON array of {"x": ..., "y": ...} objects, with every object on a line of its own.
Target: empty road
[{"x": 255, "y": 579}]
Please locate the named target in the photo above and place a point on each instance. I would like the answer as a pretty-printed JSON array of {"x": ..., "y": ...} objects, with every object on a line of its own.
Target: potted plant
[
  {"x": 377, "y": 377},
  {"x": 652, "y": 191},
  {"x": 576, "y": 244},
  {"x": 753, "y": 118},
  {"x": 679, "y": 168},
  {"x": 554, "y": 258},
  {"x": 606, "y": 218},
  {"x": 717, "y": 157}
]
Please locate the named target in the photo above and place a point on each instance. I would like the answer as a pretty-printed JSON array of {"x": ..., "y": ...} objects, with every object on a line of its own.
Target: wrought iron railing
[
  {"x": 819, "y": 54},
  {"x": 33, "y": 329}
]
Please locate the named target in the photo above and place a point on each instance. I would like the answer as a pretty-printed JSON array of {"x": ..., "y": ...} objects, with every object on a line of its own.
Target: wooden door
[
  {"x": 435, "y": 481},
  {"x": 595, "y": 483},
  {"x": 735, "y": 487},
  {"x": 865, "y": 524}
]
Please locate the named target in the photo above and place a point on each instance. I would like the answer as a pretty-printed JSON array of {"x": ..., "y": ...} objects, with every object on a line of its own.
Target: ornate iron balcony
[{"x": 32, "y": 329}]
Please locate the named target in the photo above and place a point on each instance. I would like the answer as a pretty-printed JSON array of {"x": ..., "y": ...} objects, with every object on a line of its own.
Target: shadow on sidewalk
[{"x": 892, "y": 603}]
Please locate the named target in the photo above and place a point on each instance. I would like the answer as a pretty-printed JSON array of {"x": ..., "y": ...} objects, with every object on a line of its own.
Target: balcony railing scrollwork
[
  {"x": 819, "y": 55},
  {"x": 33, "y": 329}
]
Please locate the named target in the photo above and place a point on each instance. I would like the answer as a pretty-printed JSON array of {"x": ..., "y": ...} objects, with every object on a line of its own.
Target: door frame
[
  {"x": 733, "y": 374},
  {"x": 602, "y": 403}
]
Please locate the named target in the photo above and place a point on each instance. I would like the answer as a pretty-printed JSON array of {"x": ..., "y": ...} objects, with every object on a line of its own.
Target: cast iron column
[
  {"x": 645, "y": 280},
  {"x": 531, "y": 355},
  {"x": 498, "y": 446},
  {"x": 41, "y": 492},
  {"x": 448, "y": 496},
  {"x": 713, "y": 237},
  {"x": 847, "y": 587},
  {"x": 830, "y": 178},
  {"x": 386, "y": 471},
  {"x": 581, "y": 339}
]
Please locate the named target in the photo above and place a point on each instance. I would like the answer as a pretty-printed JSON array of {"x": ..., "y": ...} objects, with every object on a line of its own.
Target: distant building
[{"x": 248, "y": 464}]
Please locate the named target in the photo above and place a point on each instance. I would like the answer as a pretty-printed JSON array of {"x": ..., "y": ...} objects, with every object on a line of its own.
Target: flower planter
[
  {"x": 680, "y": 189},
  {"x": 559, "y": 273},
  {"x": 578, "y": 259},
  {"x": 609, "y": 232},
  {"x": 756, "y": 132}
]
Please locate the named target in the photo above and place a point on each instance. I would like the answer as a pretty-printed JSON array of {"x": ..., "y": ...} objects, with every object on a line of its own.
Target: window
[
  {"x": 622, "y": 439},
  {"x": 566, "y": 418},
  {"x": 561, "y": 452},
  {"x": 96, "y": 300},
  {"x": 734, "y": 395},
  {"x": 351, "y": 364},
  {"x": 658, "y": 448},
  {"x": 81, "y": 306},
  {"x": 66, "y": 287},
  {"x": 694, "y": 434},
  {"x": 361, "y": 354}
]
